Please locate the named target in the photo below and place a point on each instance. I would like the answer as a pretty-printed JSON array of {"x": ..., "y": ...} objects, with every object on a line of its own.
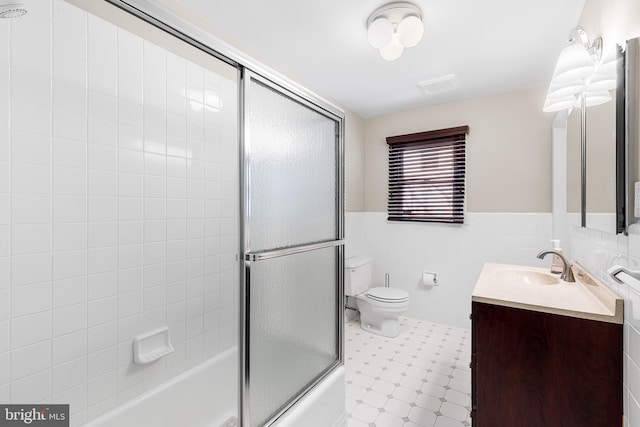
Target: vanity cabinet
[{"x": 537, "y": 369}]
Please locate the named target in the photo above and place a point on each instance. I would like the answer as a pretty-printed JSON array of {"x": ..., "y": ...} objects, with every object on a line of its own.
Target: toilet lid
[{"x": 383, "y": 294}]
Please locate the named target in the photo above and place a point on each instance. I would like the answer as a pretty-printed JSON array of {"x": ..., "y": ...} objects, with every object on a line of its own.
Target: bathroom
[{"x": 101, "y": 242}]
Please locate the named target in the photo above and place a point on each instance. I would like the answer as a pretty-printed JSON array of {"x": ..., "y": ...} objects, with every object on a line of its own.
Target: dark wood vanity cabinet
[{"x": 533, "y": 369}]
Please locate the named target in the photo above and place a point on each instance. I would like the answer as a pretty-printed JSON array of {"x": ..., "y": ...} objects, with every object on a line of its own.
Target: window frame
[{"x": 425, "y": 147}]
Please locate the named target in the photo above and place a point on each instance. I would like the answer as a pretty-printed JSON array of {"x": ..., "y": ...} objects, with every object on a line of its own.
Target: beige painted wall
[
  {"x": 601, "y": 159},
  {"x": 354, "y": 156},
  {"x": 614, "y": 20},
  {"x": 508, "y": 150}
]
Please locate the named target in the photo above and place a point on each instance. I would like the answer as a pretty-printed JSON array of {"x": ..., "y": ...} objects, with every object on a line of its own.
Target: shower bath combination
[{"x": 138, "y": 210}]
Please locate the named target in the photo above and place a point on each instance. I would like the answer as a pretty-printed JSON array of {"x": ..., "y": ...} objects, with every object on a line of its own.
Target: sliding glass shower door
[{"x": 292, "y": 248}]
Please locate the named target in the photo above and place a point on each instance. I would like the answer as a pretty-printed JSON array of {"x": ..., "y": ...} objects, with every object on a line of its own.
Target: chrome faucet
[{"x": 567, "y": 274}]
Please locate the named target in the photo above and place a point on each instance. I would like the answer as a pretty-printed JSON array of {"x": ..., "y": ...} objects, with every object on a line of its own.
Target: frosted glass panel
[
  {"x": 293, "y": 327},
  {"x": 292, "y": 179}
]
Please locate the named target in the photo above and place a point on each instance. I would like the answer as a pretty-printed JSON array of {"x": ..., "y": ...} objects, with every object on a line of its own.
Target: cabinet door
[{"x": 536, "y": 369}]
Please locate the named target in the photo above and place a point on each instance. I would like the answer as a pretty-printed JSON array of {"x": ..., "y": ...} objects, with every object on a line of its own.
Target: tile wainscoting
[
  {"x": 597, "y": 251},
  {"x": 456, "y": 252}
]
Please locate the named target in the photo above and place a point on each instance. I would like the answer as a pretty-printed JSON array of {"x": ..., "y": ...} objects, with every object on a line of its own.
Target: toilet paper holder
[{"x": 429, "y": 278}]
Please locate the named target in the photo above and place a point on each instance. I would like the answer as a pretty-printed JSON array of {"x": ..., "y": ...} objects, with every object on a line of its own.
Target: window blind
[{"x": 427, "y": 176}]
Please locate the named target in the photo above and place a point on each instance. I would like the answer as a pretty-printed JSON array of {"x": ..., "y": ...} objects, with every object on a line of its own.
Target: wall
[
  {"x": 354, "y": 157},
  {"x": 456, "y": 253},
  {"x": 597, "y": 251},
  {"x": 354, "y": 124},
  {"x": 508, "y": 202},
  {"x": 118, "y": 210},
  {"x": 616, "y": 21},
  {"x": 508, "y": 150}
]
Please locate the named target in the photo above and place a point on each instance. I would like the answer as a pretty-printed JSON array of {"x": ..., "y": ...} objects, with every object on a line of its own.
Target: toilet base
[{"x": 387, "y": 327}]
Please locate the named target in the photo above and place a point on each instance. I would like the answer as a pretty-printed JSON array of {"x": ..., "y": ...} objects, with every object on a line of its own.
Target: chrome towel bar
[{"x": 617, "y": 269}]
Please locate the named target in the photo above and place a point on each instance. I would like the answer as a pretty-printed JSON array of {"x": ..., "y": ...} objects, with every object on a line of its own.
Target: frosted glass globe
[
  {"x": 410, "y": 31},
  {"x": 393, "y": 50},
  {"x": 380, "y": 32}
]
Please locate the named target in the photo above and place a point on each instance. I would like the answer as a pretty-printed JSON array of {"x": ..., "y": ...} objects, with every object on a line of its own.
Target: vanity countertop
[{"x": 586, "y": 298}]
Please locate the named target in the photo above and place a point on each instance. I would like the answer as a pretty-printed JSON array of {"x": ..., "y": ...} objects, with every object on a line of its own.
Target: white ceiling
[{"x": 491, "y": 46}]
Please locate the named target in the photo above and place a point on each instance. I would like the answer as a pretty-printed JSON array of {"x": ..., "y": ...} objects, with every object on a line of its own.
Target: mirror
[
  {"x": 595, "y": 188},
  {"x": 632, "y": 120}
]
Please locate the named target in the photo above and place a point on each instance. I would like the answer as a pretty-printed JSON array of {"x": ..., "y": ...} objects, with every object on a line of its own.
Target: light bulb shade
[
  {"x": 562, "y": 90},
  {"x": 380, "y": 32},
  {"x": 410, "y": 31},
  {"x": 594, "y": 98},
  {"x": 606, "y": 74},
  {"x": 573, "y": 64},
  {"x": 602, "y": 82},
  {"x": 608, "y": 63},
  {"x": 393, "y": 50},
  {"x": 558, "y": 104}
]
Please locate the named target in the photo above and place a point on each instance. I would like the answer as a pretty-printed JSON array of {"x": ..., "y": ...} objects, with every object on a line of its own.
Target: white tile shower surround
[
  {"x": 117, "y": 209},
  {"x": 421, "y": 378}
]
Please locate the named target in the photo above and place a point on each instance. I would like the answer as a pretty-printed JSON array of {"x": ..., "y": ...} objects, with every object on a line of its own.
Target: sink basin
[
  {"x": 527, "y": 277},
  {"x": 537, "y": 289}
]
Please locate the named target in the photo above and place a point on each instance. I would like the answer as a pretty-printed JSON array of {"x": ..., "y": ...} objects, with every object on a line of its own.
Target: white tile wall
[
  {"x": 456, "y": 253},
  {"x": 598, "y": 251},
  {"x": 118, "y": 181}
]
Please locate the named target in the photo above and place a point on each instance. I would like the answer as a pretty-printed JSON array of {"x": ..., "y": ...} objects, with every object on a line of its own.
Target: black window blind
[{"x": 427, "y": 176}]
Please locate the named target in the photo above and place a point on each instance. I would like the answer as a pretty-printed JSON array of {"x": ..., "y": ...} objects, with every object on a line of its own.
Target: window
[{"x": 426, "y": 176}]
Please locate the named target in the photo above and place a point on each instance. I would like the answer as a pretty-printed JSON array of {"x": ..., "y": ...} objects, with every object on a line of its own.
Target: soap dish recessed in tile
[{"x": 151, "y": 346}]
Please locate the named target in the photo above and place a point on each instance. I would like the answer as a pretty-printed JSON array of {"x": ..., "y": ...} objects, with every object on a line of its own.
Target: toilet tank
[{"x": 357, "y": 275}]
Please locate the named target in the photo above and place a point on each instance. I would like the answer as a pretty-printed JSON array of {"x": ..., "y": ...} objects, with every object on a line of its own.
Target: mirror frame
[
  {"x": 631, "y": 123},
  {"x": 621, "y": 145}
]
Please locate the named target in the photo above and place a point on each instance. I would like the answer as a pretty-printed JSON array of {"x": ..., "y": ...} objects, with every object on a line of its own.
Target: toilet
[{"x": 379, "y": 306}]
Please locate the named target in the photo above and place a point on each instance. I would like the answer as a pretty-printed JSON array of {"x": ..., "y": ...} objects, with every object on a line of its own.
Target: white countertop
[{"x": 586, "y": 298}]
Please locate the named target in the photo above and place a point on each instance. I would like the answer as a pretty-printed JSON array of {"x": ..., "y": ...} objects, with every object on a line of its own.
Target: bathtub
[
  {"x": 195, "y": 399},
  {"x": 323, "y": 406},
  {"x": 192, "y": 399}
]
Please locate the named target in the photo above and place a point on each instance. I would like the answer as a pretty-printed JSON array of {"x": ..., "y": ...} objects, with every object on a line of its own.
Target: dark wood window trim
[{"x": 427, "y": 176}]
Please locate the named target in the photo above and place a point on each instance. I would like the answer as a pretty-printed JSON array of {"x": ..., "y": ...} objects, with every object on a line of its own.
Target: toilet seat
[{"x": 387, "y": 295}]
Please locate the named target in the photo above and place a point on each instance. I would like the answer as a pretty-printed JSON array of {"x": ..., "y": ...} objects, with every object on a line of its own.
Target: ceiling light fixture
[
  {"x": 394, "y": 27},
  {"x": 581, "y": 74}
]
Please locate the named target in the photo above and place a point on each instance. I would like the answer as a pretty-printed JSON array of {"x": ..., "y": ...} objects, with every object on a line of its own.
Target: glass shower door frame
[{"x": 248, "y": 257}]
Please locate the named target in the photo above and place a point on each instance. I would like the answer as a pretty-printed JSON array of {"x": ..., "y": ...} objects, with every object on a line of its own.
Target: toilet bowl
[{"x": 379, "y": 306}]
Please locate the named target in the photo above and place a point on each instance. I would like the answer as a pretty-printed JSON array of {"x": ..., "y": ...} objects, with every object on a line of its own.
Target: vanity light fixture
[
  {"x": 393, "y": 27},
  {"x": 582, "y": 76}
]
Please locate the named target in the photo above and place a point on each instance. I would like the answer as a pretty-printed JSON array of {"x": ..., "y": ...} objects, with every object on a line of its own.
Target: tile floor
[{"x": 421, "y": 378}]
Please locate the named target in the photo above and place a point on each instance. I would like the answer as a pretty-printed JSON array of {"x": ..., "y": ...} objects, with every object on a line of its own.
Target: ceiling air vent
[{"x": 439, "y": 84}]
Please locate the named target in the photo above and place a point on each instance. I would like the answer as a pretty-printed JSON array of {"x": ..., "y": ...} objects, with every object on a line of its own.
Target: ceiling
[{"x": 491, "y": 46}]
